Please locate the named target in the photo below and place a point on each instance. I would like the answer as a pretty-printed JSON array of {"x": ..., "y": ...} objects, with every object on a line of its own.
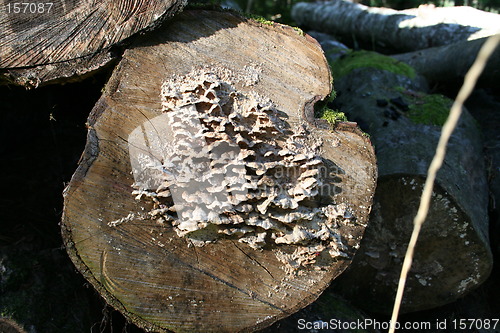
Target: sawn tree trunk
[{"x": 207, "y": 198}]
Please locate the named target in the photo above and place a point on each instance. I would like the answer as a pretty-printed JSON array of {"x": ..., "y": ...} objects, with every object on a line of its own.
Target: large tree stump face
[{"x": 185, "y": 239}]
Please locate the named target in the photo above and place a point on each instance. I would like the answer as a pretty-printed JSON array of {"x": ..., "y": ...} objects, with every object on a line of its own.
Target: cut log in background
[
  {"x": 143, "y": 268},
  {"x": 46, "y": 41},
  {"x": 441, "y": 64},
  {"x": 398, "y": 31},
  {"x": 385, "y": 101}
]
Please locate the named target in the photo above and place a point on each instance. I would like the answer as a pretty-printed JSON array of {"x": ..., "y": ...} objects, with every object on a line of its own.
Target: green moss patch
[
  {"x": 332, "y": 116},
  {"x": 427, "y": 109},
  {"x": 361, "y": 59},
  {"x": 299, "y": 31},
  {"x": 430, "y": 110},
  {"x": 260, "y": 19}
]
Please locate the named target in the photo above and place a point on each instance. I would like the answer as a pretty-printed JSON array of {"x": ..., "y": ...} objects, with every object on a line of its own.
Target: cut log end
[
  {"x": 204, "y": 199},
  {"x": 447, "y": 229}
]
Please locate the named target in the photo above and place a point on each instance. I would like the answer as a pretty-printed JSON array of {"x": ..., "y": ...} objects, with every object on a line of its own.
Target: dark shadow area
[{"x": 43, "y": 134}]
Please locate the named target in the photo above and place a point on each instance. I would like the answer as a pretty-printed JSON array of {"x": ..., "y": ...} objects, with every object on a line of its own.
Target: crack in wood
[{"x": 254, "y": 260}]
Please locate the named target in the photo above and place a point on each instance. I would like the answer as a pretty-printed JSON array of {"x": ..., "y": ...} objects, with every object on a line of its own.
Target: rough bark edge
[
  {"x": 65, "y": 72},
  {"x": 8, "y": 325}
]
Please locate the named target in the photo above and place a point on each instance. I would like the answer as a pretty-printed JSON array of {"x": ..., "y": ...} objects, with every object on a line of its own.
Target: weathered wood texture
[
  {"x": 404, "y": 31},
  {"x": 441, "y": 64},
  {"x": 48, "y": 35},
  {"x": 452, "y": 254},
  {"x": 142, "y": 267}
]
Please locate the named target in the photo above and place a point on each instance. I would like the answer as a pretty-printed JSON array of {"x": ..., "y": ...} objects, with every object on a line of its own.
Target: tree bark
[
  {"x": 441, "y": 64},
  {"x": 10, "y": 326},
  {"x": 168, "y": 272},
  {"x": 399, "y": 31},
  {"x": 452, "y": 255},
  {"x": 484, "y": 107},
  {"x": 46, "y": 36}
]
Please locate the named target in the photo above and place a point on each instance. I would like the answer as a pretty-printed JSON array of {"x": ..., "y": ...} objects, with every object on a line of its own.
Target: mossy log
[
  {"x": 452, "y": 254},
  {"x": 45, "y": 41},
  {"x": 276, "y": 215},
  {"x": 441, "y": 64},
  {"x": 399, "y": 31}
]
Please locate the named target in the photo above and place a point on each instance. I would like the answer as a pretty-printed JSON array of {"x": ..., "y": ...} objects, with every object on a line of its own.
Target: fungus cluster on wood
[{"x": 218, "y": 163}]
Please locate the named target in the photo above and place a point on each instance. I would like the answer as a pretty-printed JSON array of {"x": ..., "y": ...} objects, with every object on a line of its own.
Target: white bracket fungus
[{"x": 220, "y": 164}]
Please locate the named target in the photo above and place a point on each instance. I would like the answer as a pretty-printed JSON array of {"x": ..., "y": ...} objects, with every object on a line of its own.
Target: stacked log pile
[{"x": 209, "y": 196}]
